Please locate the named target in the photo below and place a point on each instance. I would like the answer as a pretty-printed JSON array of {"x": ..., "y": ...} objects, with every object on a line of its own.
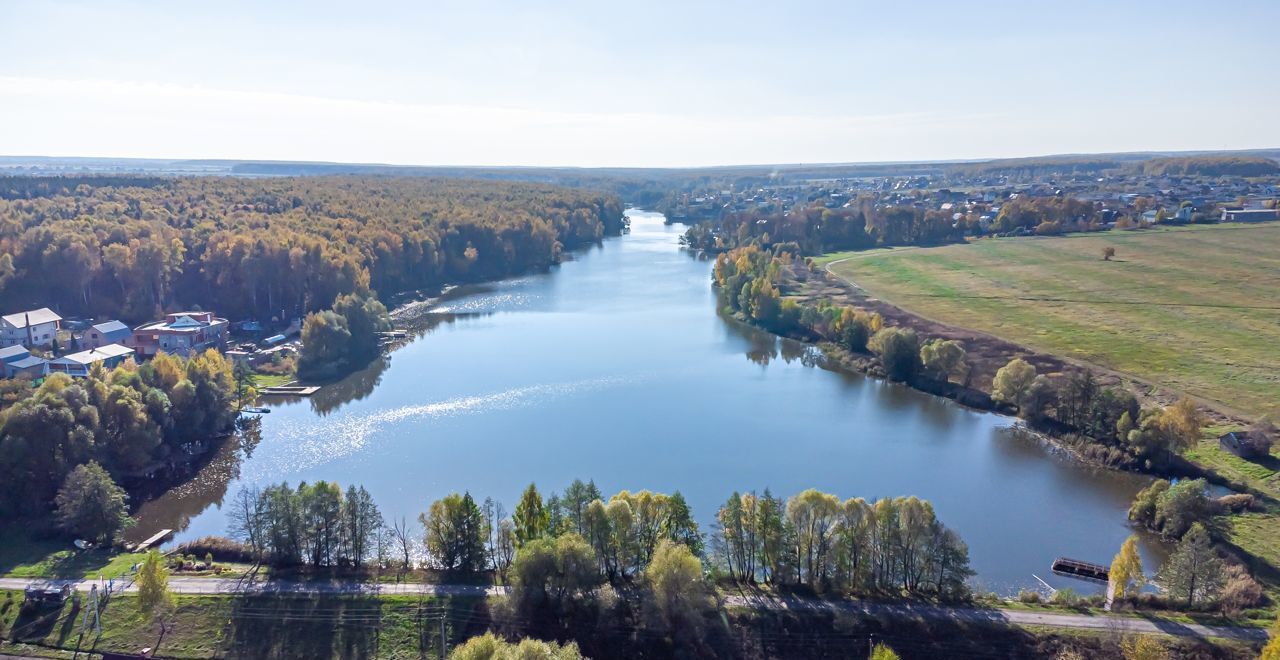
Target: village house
[
  {"x": 102, "y": 334},
  {"x": 180, "y": 333},
  {"x": 77, "y": 365},
  {"x": 18, "y": 361},
  {"x": 1240, "y": 215},
  {"x": 37, "y": 327},
  {"x": 1246, "y": 444}
]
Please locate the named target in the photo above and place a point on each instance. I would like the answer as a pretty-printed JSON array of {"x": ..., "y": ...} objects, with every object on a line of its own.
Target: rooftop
[
  {"x": 36, "y": 317},
  {"x": 13, "y": 352},
  {"x": 110, "y": 326},
  {"x": 96, "y": 354},
  {"x": 28, "y": 362}
]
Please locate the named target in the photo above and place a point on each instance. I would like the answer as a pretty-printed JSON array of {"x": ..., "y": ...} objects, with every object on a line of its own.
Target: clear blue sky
[{"x": 649, "y": 83}]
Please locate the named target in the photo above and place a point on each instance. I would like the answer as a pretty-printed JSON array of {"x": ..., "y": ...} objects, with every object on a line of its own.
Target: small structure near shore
[
  {"x": 1246, "y": 444},
  {"x": 154, "y": 539},
  {"x": 290, "y": 390},
  {"x": 1081, "y": 569}
]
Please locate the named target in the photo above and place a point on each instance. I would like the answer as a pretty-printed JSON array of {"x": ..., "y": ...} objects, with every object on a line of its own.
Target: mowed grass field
[{"x": 1195, "y": 309}]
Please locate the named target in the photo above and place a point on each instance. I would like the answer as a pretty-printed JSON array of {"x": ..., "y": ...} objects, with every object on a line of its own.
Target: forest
[
  {"x": 132, "y": 421},
  {"x": 274, "y": 247},
  {"x": 1211, "y": 166},
  {"x": 817, "y": 229}
]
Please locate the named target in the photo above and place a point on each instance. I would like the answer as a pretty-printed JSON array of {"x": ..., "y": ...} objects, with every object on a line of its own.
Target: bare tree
[
  {"x": 248, "y": 519},
  {"x": 403, "y": 540}
]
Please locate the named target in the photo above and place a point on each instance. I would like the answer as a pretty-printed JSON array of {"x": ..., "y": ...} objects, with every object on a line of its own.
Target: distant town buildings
[{"x": 1248, "y": 215}]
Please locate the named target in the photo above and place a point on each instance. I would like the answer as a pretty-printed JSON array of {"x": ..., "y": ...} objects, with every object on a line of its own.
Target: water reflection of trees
[
  {"x": 207, "y": 485},
  {"x": 360, "y": 384}
]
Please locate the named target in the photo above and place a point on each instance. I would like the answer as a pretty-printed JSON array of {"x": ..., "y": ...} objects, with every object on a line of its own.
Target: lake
[{"x": 615, "y": 366}]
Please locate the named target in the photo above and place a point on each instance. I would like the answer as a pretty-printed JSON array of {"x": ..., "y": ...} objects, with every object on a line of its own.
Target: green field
[{"x": 1194, "y": 309}]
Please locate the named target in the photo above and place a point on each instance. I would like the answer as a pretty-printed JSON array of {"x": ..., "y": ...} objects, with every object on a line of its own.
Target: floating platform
[
  {"x": 1081, "y": 569},
  {"x": 290, "y": 390}
]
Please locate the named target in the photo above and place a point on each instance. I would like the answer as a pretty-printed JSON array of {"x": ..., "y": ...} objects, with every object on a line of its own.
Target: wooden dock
[
  {"x": 1081, "y": 569},
  {"x": 155, "y": 538},
  {"x": 290, "y": 390}
]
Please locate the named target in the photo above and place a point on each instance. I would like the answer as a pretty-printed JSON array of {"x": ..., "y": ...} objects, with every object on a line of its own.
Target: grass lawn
[
  {"x": 1196, "y": 309},
  {"x": 23, "y": 554},
  {"x": 272, "y": 380}
]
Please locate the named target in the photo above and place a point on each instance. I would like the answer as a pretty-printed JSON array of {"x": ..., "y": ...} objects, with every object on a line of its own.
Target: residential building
[
  {"x": 36, "y": 327},
  {"x": 32, "y": 367},
  {"x": 1238, "y": 215},
  {"x": 15, "y": 360},
  {"x": 109, "y": 332},
  {"x": 180, "y": 333},
  {"x": 77, "y": 365}
]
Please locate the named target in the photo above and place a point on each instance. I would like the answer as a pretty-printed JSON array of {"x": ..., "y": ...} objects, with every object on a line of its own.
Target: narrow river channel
[{"x": 615, "y": 366}]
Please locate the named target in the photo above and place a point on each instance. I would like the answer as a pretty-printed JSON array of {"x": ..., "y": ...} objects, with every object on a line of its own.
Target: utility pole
[{"x": 444, "y": 645}]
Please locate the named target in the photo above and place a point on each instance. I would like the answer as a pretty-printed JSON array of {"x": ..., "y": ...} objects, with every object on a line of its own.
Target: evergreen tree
[
  {"x": 1193, "y": 572},
  {"x": 531, "y": 518},
  {"x": 91, "y": 505}
]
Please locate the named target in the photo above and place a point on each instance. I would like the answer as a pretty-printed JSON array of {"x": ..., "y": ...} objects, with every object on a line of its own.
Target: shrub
[
  {"x": 899, "y": 351},
  {"x": 1236, "y": 503},
  {"x": 1241, "y": 590},
  {"x": 217, "y": 547}
]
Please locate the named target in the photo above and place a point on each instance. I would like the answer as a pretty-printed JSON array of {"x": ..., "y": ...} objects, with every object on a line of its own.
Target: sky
[{"x": 644, "y": 84}]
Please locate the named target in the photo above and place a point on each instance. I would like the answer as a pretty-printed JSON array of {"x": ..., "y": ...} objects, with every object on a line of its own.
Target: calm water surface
[{"x": 616, "y": 367}]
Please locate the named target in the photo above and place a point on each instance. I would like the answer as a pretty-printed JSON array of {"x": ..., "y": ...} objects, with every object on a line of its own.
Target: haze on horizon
[{"x": 659, "y": 84}]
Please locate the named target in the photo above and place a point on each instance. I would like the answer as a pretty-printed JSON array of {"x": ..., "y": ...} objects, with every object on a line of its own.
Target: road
[{"x": 1152, "y": 625}]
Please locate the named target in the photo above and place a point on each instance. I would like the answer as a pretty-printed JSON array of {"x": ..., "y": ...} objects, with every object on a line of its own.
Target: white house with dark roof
[
  {"x": 36, "y": 327},
  {"x": 109, "y": 332}
]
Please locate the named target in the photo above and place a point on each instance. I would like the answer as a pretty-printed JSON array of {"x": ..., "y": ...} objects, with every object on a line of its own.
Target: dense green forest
[{"x": 128, "y": 248}]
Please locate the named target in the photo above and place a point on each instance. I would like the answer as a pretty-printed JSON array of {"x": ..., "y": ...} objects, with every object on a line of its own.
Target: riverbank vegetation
[
  {"x": 256, "y": 247},
  {"x": 342, "y": 338},
  {"x": 70, "y": 441},
  {"x": 1102, "y": 423},
  {"x": 888, "y": 546}
]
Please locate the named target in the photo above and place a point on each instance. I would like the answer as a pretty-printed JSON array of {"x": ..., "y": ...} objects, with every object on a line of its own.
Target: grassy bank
[
  {"x": 1194, "y": 308},
  {"x": 409, "y": 627},
  {"x": 253, "y": 626}
]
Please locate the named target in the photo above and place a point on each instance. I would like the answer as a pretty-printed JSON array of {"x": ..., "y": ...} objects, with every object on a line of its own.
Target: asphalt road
[{"x": 1120, "y": 624}]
